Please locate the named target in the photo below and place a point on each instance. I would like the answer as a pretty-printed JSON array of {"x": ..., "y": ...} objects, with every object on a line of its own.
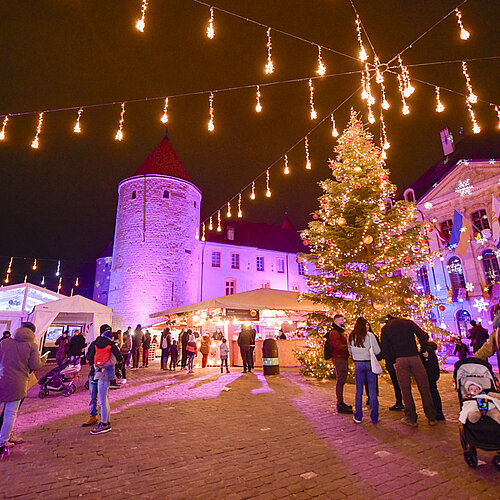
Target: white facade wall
[{"x": 155, "y": 262}]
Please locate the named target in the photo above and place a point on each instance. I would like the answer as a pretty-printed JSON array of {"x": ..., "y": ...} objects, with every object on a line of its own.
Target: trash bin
[{"x": 270, "y": 360}]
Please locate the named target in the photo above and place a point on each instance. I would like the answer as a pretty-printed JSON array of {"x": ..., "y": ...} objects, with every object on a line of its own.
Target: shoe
[
  {"x": 344, "y": 409},
  {"x": 250, "y": 371},
  {"x": 91, "y": 421},
  {"x": 227, "y": 371},
  {"x": 407, "y": 421},
  {"x": 101, "y": 429},
  {"x": 244, "y": 371},
  {"x": 441, "y": 418},
  {"x": 123, "y": 381},
  {"x": 374, "y": 421},
  {"x": 355, "y": 420},
  {"x": 432, "y": 422},
  {"x": 4, "y": 452},
  {"x": 397, "y": 407},
  {"x": 15, "y": 440},
  {"x": 114, "y": 386},
  {"x": 191, "y": 371}
]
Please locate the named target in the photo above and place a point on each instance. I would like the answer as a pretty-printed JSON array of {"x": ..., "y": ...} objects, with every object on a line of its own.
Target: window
[
  {"x": 260, "y": 263},
  {"x": 490, "y": 266},
  {"x": 134, "y": 195},
  {"x": 456, "y": 272},
  {"x": 235, "y": 261},
  {"x": 265, "y": 284},
  {"x": 480, "y": 220},
  {"x": 446, "y": 227},
  {"x": 166, "y": 194},
  {"x": 215, "y": 259},
  {"x": 410, "y": 195},
  {"x": 195, "y": 204},
  {"x": 463, "y": 317},
  {"x": 280, "y": 265},
  {"x": 423, "y": 278},
  {"x": 230, "y": 233},
  {"x": 230, "y": 286},
  {"x": 301, "y": 268}
]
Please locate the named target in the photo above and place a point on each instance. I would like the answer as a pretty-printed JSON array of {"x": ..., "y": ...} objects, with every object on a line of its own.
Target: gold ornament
[
  {"x": 341, "y": 221},
  {"x": 368, "y": 239}
]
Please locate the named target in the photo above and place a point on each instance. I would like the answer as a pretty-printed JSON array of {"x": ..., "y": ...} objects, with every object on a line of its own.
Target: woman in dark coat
[
  {"x": 62, "y": 344},
  {"x": 431, "y": 364}
]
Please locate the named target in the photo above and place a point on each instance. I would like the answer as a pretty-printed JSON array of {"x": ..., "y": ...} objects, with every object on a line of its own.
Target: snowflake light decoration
[
  {"x": 480, "y": 305},
  {"x": 439, "y": 287},
  {"x": 464, "y": 187},
  {"x": 497, "y": 253},
  {"x": 469, "y": 287},
  {"x": 480, "y": 239}
]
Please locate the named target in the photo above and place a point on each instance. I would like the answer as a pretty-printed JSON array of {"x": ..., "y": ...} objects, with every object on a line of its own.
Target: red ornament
[
  {"x": 345, "y": 272},
  {"x": 425, "y": 241},
  {"x": 430, "y": 229},
  {"x": 329, "y": 289},
  {"x": 357, "y": 186},
  {"x": 358, "y": 124},
  {"x": 349, "y": 141},
  {"x": 407, "y": 260},
  {"x": 309, "y": 283},
  {"x": 330, "y": 242},
  {"x": 393, "y": 189},
  {"x": 338, "y": 178},
  {"x": 298, "y": 260},
  {"x": 386, "y": 177},
  {"x": 406, "y": 301},
  {"x": 318, "y": 266},
  {"x": 403, "y": 208},
  {"x": 315, "y": 216},
  {"x": 367, "y": 143},
  {"x": 306, "y": 242},
  {"x": 442, "y": 308},
  {"x": 324, "y": 202}
]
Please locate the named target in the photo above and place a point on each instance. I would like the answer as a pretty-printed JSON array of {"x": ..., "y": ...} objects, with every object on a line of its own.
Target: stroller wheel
[
  {"x": 496, "y": 461},
  {"x": 471, "y": 457},
  {"x": 67, "y": 392},
  {"x": 42, "y": 394},
  {"x": 73, "y": 389},
  {"x": 87, "y": 385}
]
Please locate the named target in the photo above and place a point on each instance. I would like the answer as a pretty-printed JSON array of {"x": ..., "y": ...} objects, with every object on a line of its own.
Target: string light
[
  {"x": 210, "y": 27},
  {"x": 408, "y": 87},
  {"x": 59, "y": 285},
  {"x": 58, "y": 270},
  {"x": 35, "y": 143},
  {"x": 211, "y": 125},
  {"x": 43, "y": 281},
  {"x": 203, "y": 232},
  {"x": 258, "y": 106},
  {"x": 34, "y": 266},
  {"x": 321, "y": 71},
  {"x": 140, "y": 24},
  {"x": 386, "y": 144},
  {"x": 464, "y": 34},
  {"x": 439, "y": 104},
  {"x": 335, "y": 132},
  {"x": 77, "y": 282},
  {"x": 498, "y": 115},
  {"x": 119, "y": 132},
  {"x": 4, "y": 125},
  {"x": 406, "y": 109},
  {"x": 364, "y": 91},
  {"x": 314, "y": 115},
  {"x": 240, "y": 213},
  {"x": 228, "y": 209},
  {"x": 385, "y": 103},
  {"x": 9, "y": 267},
  {"x": 26, "y": 278},
  {"x": 252, "y": 194},
  {"x": 379, "y": 77},
  {"x": 71, "y": 294},
  {"x": 363, "y": 56},
  {"x": 286, "y": 171},
  {"x": 475, "y": 126},
  {"x": 210, "y": 224},
  {"x": 164, "y": 117},
  {"x": 471, "y": 97},
  {"x": 6, "y": 280},
  {"x": 268, "y": 190},
  {"x": 308, "y": 160},
  {"x": 269, "y": 65},
  {"x": 77, "y": 128},
  {"x": 219, "y": 228}
]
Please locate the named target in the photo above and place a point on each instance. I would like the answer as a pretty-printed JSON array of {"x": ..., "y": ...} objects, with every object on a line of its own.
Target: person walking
[
  {"x": 102, "y": 356},
  {"x": 137, "y": 339},
  {"x": 245, "y": 341},
  {"x": 400, "y": 348},
  {"x": 477, "y": 335},
  {"x": 165, "y": 344},
  {"x": 461, "y": 349},
  {"x": 183, "y": 340},
  {"x": 224, "y": 354},
  {"x": 125, "y": 348},
  {"x": 62, "y": 344},
  {"x": 431, "y": 365},
  {"x": 361, "y": 340},
  {"x": 205, "y": 350},
  {"x": 76, "y": 347},
  {"x": 191, "y": 350},
  {"x": 251, "y": 360},
  {"x": 146, "y": 345},
  {"x": 337, "y": 349},
  {"x": 174, "y": 355},
  {"x": 19, "y": 356}
]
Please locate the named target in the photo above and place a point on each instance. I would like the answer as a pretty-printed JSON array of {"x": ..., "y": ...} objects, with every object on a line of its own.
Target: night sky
[{"x": 59, "y": 201}]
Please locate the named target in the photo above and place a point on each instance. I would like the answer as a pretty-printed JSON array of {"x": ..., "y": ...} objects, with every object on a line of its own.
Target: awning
[{"x": 262, "y": 298}]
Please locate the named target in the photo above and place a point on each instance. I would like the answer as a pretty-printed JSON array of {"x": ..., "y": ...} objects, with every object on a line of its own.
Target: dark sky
[{"x": 59, "y": 201}]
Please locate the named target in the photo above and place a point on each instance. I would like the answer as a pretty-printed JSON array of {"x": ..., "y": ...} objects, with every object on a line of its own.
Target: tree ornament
[
  {"x": 358, "y": 124},
  {"x": 318, "y": 266},
  {"x": 442, "y": 308},
  {"x": 329, "y": 289},
  {"x": 338, "y": 178},
  {"x": 406, "y": 301},
  {"x": 357, "y": 186},
  {"x": 315, "y": 216},
  {"x": 368, "y": 239},
  {"x": 305, "y": 242},
  {"x": 378, "y": 306},
  {"x": 341, "y": 221},
  {"x": 403, "y": 208},
  {"x": 407, "y": 260},
  {"x": 345, "y": 272},
  {"x": 357, "y": 169},
  {"x": 298, "y": 260},
  {"x": 325, "y": 202}
]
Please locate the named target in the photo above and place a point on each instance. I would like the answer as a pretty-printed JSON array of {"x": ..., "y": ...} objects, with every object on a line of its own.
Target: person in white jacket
[{"x": 361, "y": 340}]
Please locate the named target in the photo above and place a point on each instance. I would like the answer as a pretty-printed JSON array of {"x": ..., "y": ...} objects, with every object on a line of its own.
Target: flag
[
  {"x": 495, "y": 224},
  {"x": 441, "y": 237},
  {"x": 460, "y": 234}
]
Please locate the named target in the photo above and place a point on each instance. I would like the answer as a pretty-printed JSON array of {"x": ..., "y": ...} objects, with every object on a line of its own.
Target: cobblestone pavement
[{"x": 236, "y": 436}]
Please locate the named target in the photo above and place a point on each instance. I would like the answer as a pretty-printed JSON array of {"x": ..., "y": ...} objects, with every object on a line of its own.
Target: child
[
  {"x": 461, "y": 350},
  {"x": 224, "y": 352},
  {"x": 431, "y": 365},
  {"x": 174, "y": 354},
  {"x": 480, "y": 402}
]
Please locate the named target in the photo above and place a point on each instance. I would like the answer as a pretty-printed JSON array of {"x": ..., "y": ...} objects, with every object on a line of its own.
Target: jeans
[
  {"x": 125, "y": 363},
  {"x": 245, "y": 356},
  {"x": 165, "y": 354},
  {"x": 9, "y": 417},
  {"x": 173, "y": 362},
  {"x": 341, "y": 376},
  {"x": 93, "y": 397},
  {"x": 363, "y": 372},
  {"x": 136, "y": 351},
  {"x": 190, "y": 356},
  {"x": 222, "y": 362}
]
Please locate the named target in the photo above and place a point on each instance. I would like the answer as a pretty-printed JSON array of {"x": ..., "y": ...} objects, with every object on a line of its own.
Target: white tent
[{"x": 71, "y": 309}]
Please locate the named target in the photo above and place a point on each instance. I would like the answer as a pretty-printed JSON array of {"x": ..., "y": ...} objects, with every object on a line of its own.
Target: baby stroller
[
  {"x": 484, "y": 434},
  {"x": 60, "y": 379}
]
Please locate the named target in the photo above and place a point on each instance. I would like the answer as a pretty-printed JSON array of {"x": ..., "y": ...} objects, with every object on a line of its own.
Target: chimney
[{"x": 447, "y": 141}]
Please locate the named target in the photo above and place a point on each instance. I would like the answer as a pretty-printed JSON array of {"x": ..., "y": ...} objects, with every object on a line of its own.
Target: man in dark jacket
[
  {"x": 5, "y": 335},
  {"x": 399, "y": 347},
  {"x": 76, "y": 346},
  {"x": 245, "y": 341},
  {"x": 165, "y": 344},
  {"x": 146, "y": 345},
  {"x": 431, "y": 365},
  {"x": 337, "y": 343},
  {"x": 99, "y": 380},
  {"x": 477, "y": 335},
  {"x": 184, "y": 341},
  {"x": 137, "y": 339}
]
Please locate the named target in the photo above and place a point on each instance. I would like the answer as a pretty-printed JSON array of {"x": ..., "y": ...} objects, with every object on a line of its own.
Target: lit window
[
  {"x": 235, "y": 261},
  {"x": 215, "y": 259},
  {"x": 230, "y": 287},
  {"x": 490, "y": 266},
  {"x": 456, "y": 273},
  {"x": 480, "y": 220},
  {"x": 265, "y": 284},
  {"x": 280, "y": 265},
  {"x": 260, "y": 263},
  {"x": 134, "y": 195},
  {"x": 301, "y": 268},
  {"x": 166, "y": 194}
]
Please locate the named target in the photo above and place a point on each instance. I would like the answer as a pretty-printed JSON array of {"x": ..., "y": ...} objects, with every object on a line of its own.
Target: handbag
[{"x": 375, "y": 365}]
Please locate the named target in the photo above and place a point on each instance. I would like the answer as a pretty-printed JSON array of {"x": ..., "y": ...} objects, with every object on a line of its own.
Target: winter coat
[
  {"x": 18, "y": 356},
  {"x": 166, "y": 341},
  {"x": 137, "y": 338},
  {"x": 491, "y": 347},
  {"x": 174, "y": 351},
  {"x": 478, "y": 336},
  {"x": 246, "y": 338},
  {"x": 338, "y": 343},
  {"x": 62, "y": 344},
  {"x": 398, "y": 339},
  {"x": 76, "y": 345},
  {"x": 224, "y": 350},
  {"x": 205, "y": 345},
  {"x": 431, "y": 363},
  {"x": 126, "y": 346},
  {"x": 363, "y": 353},
  {"x": 146, "y": 342},
  {"x": 101, "y": 342},
  {"x": 184, "y": 339},
  {"x": 191, "y": 347}
]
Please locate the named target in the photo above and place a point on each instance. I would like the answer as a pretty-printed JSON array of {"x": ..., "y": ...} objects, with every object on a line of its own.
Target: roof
[
  {"x": 473, "y": 147},
  {"x": 163, "y": 160},
  {"x": 76, "y": 303},
  {"x": 22, "y": 297},
  {"x": 262, "y": 298},
  {"x": 260, "y": 235}
]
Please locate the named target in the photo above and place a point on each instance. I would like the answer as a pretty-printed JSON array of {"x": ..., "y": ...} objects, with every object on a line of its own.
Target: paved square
[{"x": 236, "y": 436}]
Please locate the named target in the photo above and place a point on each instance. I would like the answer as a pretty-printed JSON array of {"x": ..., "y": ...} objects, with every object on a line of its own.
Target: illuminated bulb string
[
  {"x": 475, "y": 126},
  {"x": 34, "y": 266},
  {"x": 269, "y": 65},
  {"x": 308, "y": 159},
  {"x": 219, "y": 228},
  {"x": 210, "y": 224},
  {"x": 4, "y": 125},
  {"x": 406, "y": 109},
  {"x": 408, "y": 89},
  {"x": 240, "y": 213},
  {"x": 35, "y": 143},
  {"x": 464, "y": 34},
  {"x": 321, "y": 71},
  {"x": 335, "y": 132},
  {"x": 497, "y": 110},
  {"x": 140, "y": 24},
  {"x": 210, "y": 27},
  {"x": 286, "y": 170},
  {"x": 211, "y": 125},
  {"x": 119, "y": 132},
  {"x": 268, "y": 190},
  {"x": 258, "y": 106},
  {"x": 228, "y": 210},
  {"x": 164, "y": 117},
  {"x": 59, "y": 285},
  {"x": 252, "y": 194},
  {"x": 314, "y": 115},
  {"x": 58, "y": 270},
  {"x": 203, "y": 232},
  {"x": 77, "y": 128},
  {"x": 439, "y": 104},
  {"x": 363, "y": 56},
  {"x": 472, "y": 98}
]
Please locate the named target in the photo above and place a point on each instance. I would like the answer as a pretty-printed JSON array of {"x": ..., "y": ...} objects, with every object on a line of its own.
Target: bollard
[{"x": 270, "y": 360}]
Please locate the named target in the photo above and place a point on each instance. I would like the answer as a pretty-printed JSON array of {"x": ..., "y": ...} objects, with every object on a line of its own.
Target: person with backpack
[
  {"x": 102, "y": 355},
  {"x": 191, "y": 350},
  {"x": 165, "y": 344}
]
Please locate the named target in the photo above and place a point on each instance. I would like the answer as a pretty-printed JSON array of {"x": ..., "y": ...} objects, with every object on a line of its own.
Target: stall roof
[
  {"x": 262, "y": 298},
  {"x": 23, "y": 297}
]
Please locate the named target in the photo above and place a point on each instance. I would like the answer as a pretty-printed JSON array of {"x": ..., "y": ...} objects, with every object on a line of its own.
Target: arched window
[
  {"x": 166, "y": 194},
  {"x": 134, "y": 195},
  {"x": 463, "y": 318},
  {"x": 423, "y": 279},
  {"x": 490, "y": 266},
  {"x": 456, "y": 272}
]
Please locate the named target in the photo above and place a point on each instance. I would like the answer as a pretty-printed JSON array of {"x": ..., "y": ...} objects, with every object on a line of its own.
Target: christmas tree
[{"x": 365, "y": 247}]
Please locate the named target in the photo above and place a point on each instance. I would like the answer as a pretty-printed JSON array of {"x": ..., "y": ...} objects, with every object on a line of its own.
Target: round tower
[{"x": 155, "y": 263}]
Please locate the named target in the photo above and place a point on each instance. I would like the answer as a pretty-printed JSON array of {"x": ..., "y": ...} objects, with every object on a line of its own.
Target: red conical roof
[{"x": 163, "y": 160}]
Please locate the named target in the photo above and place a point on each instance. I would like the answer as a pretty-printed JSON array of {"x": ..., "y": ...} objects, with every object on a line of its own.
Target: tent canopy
[
  {"x": 22, "y": 297},
  {"x": 262, "y": 298}
]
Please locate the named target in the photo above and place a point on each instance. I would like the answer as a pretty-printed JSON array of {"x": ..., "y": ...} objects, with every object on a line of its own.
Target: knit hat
[{"x": 471, "y": 382}]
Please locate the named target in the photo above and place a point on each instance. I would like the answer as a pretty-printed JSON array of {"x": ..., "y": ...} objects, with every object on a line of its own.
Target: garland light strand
[
  {"x": 472, "y": 98},
  {"x": 407, "y": 86},
  {"x": 314, "y": 115},
  {"x": 464, "y": 34},
  {"x": 34, "y": 266},
  {"x": 211, "y": 125},
  {"x": 77, "y": 128},
  {"x": 286, "y": 170},
  {"x": 228, "y": 210},
  {"x": 210, "y": 27},
  {"x": 35, "y": 143},
  {"x": 475, "y": 126},
  {"x": 497, "y": 110},
  {"x": 363, "y": 56},
  {"x": 258, "y": 106},
  {"x": 203, "y": 232},
  {"x": 405, "y": 110},
  {"x": 335, "y": 132},
  {"x": 119, "y": 132},
  {"x": 439, "y": 105},
  {"x": 269, "y": 65},
  {"x": 252, "y": 194},
  {"x": 240, "y": 213},
  {"x": 308, "y": 159},
  {"x": 321, "y": 71},
  {"x": 210, "y": 224},
  {"x": 140, "y": 24},
  {"x": 164, "y": 117},
  {"x": 4, "y": 125},
  {"x": 219, "y": 228}
]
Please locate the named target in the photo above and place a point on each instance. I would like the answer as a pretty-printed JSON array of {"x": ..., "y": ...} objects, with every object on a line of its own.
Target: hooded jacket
[
  {"x": 126, "y": 346},
  {"x": 18, "y": 356},
  {"x": 101, "y": 342},
  {"x": 137, "y": 338}
]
